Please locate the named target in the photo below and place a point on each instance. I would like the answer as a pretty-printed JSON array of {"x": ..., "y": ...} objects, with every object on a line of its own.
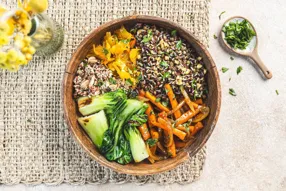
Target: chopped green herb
[
  {"x": 238, "y": 34},
  {"x": 215, "y": 37},
  {"x": 232, "y": 92},
  {"x": 179, "y": 44},
  {"x": 151, "y": 142},
  {"x": 224, "y": 69},
  {"x": 112, "y": 81},
  {"x": 277, "y": 92},
  {"x": 165, "y": 103},
  {"x": 99, "y": 83},
  {"x": 174, "y": 32},
  {"x": 158, "y": 99},
  {"x": 166, "y": 75},
  {"x": 125, "y": 41},
  {"x": 129, "y": 82},
  {"x": 231, "y": 58},
  {"x": 152, "y": 112},
  {"x": 140, "y": 77},
  {"x": 238, "y": 70},
  {"x": 148, "y": 37},
  {"x": 221, "y": 14},
  {"x": 105, "y": 51},
  {"x": 164, "y": 64},
  {"x": 167, "y": 91}
]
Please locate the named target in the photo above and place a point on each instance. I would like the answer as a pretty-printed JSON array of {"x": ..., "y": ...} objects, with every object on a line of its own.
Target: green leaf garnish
[
  {"x": 232, "y": 92},
  {"x": 148, "y": 37},
  {"x": 151, "y": 142},
  {"x": 164, "y": 64},
  {"x": 112, "y": 81},
  {"x": 221, "y": 14},
  {"x": 277, "y": 92},
  {"x": 238, "y": 70},
  {"x": 238, "y": 34},
  {"x": 129, "y": 82},
  {"x": 158, "y": 99},
  {"x": 99, "y": 83},
  {"x": 215, "y": 37},
  {"x": 125, "y": 41},
  {"x": 174, "y": 32},
  {"x": 165, "y": 103},
  {"x": 179, "y": 44},
  {"x": 105, "y": 51},
  {"x": 224, "y": 69},
  {"x": 166, "y": 75}
]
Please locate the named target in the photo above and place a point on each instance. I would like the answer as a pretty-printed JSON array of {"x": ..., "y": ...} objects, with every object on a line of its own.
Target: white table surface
[{"x": 247, "y": 150}]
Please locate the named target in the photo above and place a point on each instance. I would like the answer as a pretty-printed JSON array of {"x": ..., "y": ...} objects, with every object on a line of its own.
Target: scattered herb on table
[
  {"x": 277, "y": 92},
  {"x": 231, "y": 58},
  {"x": 215, "y": 37},
  {"x": 224, "y": 69},
  {"x": 238, "y": 34},
  {"x": 232, "y": 92},
  {"x": 238, "y": 70},
  {"x": 229, "y": 79},
  {"x": 221, "y": 14}
]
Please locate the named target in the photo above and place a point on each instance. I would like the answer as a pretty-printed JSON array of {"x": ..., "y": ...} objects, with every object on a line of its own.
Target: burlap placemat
[{"x": 35, "y": 145}]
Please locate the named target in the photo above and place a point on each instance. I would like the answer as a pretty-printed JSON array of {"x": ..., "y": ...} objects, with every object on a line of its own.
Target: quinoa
[
  {"x": 93, "y": 78},
  {"x": 167, "y": 58}
]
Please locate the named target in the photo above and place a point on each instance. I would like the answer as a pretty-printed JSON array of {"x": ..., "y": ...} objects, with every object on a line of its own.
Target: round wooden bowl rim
[{"x": 184, "y": 154}]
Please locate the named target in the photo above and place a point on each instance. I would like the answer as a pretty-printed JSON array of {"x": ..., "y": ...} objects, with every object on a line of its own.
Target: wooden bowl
[{"x": 70, "y": 107}]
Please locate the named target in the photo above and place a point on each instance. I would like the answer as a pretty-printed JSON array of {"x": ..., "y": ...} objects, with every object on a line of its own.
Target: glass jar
[{"x": 47, "y": 35}]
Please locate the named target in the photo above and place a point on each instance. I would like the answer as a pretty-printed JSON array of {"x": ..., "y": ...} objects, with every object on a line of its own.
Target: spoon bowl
[{"x": 251, "y": 50}]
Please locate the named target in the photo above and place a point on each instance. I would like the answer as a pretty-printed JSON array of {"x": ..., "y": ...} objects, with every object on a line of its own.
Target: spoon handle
[{"x": 256, "y": 58}]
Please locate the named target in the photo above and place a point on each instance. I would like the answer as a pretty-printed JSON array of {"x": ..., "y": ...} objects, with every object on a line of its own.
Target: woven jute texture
[{"x": 35, "y": 144}]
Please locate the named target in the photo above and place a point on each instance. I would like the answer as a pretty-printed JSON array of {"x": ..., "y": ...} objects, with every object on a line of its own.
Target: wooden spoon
[{"x": 250, "y": 51}]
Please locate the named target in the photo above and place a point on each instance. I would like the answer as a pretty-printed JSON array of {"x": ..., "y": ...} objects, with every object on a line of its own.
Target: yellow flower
[
  {"x": 2, "y": 10},
  {"x": 36, "y": 6},
  {"x": 4, "y": 39},
  {"x": 22, "y": 21},
  {"x": 12, "y": 55},
  {"x": 21, "y": 60}
]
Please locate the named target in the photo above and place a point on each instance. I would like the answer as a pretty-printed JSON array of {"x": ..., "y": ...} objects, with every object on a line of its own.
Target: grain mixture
[
  {"x": 93, "y": 78},
  {"x": 167, "y": 58}
]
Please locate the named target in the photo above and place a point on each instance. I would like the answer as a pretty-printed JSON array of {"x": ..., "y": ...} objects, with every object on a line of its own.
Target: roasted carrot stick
[
  {"x": 180, "y": 134},
  {"x": 179, "y": 106},
  {"x": 186, "y": 116},
  {"x": 150, "y": 113},
  {"x": 173, "y": 100},
  {"x": 161, "y": 148},
  {"x": 168, "y": 133},
  {"x": 181, "y": 127},
  {"x": 199, "y": 101},
  {"x": 142, "y": 93},
  {"x": 144, "y": 131},
  {"x": 194, "y": 129},
  {"x": 191, "y": 104},
  {"x": 152, "y": 98},
  {"x": 180, "y": 144},
  {"x": 151, "y": 160},
  {"x": 172, "y": 150},
  {"x": 154, "y": 133},
  {"x": 151, "y": 155}
]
